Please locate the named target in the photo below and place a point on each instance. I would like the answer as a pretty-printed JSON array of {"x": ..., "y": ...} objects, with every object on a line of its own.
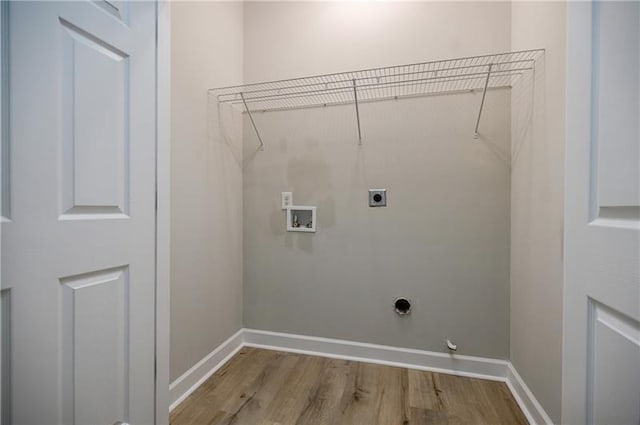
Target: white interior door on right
[{"x": 601, "y": 336}]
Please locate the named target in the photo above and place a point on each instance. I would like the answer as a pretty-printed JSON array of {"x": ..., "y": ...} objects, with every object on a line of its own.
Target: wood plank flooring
[{"x": 263, "y": 387}]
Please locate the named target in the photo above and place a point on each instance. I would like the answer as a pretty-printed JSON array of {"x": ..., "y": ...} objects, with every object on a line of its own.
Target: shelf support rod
[
  {"x": 252, "y": 122},
  {"x": 355, "y": 96},
  {"x": 484, "y": 95}
]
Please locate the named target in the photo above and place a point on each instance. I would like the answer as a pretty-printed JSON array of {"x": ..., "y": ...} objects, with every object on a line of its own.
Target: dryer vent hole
[{"x": 402, "y": 306}]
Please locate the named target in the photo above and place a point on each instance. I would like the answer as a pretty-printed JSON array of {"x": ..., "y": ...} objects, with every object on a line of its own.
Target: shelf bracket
[
  {"x": 484, "y": 95},
  {"x": 252, "y": 122},
  {"x": 355, "y": 97}
]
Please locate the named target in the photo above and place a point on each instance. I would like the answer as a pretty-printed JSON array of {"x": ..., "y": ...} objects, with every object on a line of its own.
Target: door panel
[
  {"x": 95, "y": 374},
  {"x": 616, "y": 45},
  {"x": 5, "y": 364},
  {"x": 78, "y": 253},
  {"x": 119, "y": 9},
  {"x": 95, "y": 98},
  {"x": 601, "y": 365},
  {"x": 5, "y": 176},
  {"x": 612, "y": 389}
]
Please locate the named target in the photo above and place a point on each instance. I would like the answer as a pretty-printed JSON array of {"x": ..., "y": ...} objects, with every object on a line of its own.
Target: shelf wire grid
[{"x": 500, "y": 70}]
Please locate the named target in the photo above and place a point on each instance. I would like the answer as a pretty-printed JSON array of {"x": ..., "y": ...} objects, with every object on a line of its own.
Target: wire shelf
[{"x": 394, "y": 82}]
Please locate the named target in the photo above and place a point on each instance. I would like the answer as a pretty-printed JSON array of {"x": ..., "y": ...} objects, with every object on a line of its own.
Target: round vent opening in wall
[{"x": 402, "y": 306}]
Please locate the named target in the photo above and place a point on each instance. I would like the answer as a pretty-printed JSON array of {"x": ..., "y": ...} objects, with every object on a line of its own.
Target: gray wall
[
  {"x": 443, "y": 241},
  {"x": 538, "y": 137},
  {"x": 206, "y": 183}
]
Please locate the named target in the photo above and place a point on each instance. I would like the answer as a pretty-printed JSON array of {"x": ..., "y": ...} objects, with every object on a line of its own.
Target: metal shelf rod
[
  {"x": 316, "y": 93},
  {"x": 456, "y": 75},
  {"x": 377, "y": 99},
  {"x": 348, "y": 81},
  {"x": 390, "y": 84},
  {"x": 355, "y": 97},
  {"x": 252, "y": 122},
  {"x": 522, "y": 53},
  {"x": 484, "y": 95}
]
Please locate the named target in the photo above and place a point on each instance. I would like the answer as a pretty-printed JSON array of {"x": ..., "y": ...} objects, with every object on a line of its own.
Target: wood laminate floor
[{"x": 263, "y": 387}]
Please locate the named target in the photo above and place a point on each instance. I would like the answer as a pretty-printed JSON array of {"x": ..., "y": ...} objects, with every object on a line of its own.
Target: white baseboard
[
  {"x": 529, "y": 405},
  {"x": 182, "y": 387},
  {"x": 454, "y": 364},
  {"x": 473, "y": 367}
]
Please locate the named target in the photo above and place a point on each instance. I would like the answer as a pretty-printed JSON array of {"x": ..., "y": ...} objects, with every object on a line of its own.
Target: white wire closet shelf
[{"x": 394, "y": 82}]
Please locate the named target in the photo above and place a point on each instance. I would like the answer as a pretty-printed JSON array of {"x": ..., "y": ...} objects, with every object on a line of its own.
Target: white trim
[
  {"x": 453, "y": 364},
  {"x": 182, "y": 387},
  {"x": 163, "y": 218},
  {"x": 528, "y": 403}
]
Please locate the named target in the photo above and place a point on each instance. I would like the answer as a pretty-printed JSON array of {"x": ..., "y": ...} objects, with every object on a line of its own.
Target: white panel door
[
  {"x": 601, "y": 365},
  {"x": 78, "y": 241}
]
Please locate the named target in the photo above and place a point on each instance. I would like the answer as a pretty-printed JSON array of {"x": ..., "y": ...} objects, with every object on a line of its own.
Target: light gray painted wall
[
  {"x": 293, "y": 39},
  {"x": 206, "y": 192},
  {"x": 443, "y": 240},
  {"x": 538, "y": 138}
]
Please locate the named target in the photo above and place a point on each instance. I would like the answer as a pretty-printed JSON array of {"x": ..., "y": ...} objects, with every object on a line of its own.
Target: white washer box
[{"x": 301, "y": 219}]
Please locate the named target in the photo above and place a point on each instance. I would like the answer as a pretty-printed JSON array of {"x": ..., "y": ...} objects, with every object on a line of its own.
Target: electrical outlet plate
[
  {"x": 287, "y": 200},
  {"x": 377, "y": 197}
]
